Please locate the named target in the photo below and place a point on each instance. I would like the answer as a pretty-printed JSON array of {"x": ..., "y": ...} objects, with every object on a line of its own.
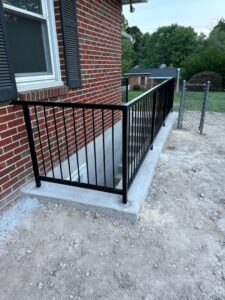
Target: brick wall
[{"x": 100, "y": 53}]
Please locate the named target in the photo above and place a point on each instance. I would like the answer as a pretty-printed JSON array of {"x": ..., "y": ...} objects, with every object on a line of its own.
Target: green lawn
[
  {"x": 216, "y": 100},
  {"x": 134, "y": 94}
]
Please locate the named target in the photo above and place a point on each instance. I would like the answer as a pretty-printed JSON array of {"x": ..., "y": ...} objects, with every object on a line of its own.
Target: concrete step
[
  {"x": 102, "y": 202},
  {"x": 118, "y": 179}
]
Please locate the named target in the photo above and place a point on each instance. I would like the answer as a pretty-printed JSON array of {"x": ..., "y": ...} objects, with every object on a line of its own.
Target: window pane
[
  {"x": 28, "y": 43},
  {"x": 30, "y": 5}
]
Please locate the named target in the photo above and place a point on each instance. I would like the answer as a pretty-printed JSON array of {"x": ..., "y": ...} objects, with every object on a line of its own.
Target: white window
[{"x": 33, "y": 43}]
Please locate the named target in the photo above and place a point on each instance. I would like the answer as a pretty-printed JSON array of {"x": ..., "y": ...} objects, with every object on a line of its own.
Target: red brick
[{"x": 100, "y": 53}]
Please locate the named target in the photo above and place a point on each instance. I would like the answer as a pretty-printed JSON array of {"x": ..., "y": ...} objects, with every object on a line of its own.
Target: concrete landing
[{"x": 107, "y": 203}]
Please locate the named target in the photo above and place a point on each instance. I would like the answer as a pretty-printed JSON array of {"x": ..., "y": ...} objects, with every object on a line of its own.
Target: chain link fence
[{"x": 193, "y": 106}]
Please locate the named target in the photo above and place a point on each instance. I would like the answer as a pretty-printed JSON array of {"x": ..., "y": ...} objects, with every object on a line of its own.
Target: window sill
[{"x": 43, "y": 93}]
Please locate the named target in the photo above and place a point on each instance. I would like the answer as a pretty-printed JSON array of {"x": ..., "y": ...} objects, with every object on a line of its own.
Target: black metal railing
[
  {"x": 89, "y": 145},
  {"x": 125, "y": 89}
]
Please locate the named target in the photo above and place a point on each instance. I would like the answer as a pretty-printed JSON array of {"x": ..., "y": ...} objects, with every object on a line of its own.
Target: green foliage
[
  {"x": 136, "y": 87},
  {"x": 203, "y": 77},
  {"x": 209, "y": 59},
  {"x": 128, "y": 55},
  {"x": 170, "y": 45},
  {"x": 176, "y": 46},
  {"x": 217, "y": 36},
  {"x": 137, "y": 37},
  {"x": 124, "y": 23}
]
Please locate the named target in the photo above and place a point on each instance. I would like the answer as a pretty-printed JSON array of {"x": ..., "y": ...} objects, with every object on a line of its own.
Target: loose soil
[{"x": 175, "y": 251}]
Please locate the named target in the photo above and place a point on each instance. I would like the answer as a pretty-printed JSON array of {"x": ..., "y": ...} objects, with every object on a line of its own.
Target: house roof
[
  {"x": 134, "y": 1},
  {"x": 154, "y": 72}
]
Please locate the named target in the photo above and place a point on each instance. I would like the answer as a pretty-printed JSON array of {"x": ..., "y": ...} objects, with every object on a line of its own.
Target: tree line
[{"x": 175, "y": 46}]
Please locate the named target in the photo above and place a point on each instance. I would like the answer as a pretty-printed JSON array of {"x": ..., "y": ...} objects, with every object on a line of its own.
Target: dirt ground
[{"x": 175, "y": 251}]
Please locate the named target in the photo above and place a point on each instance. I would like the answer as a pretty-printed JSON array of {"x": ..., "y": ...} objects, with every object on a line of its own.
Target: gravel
[{"x": 176, "y": 251}]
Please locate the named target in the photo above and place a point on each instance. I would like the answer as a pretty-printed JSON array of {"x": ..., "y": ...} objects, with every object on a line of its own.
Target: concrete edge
[{"x": 106, "y": 203}]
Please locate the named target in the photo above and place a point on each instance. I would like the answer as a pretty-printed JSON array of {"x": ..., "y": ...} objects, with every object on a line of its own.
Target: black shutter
[
  {"x": 71, "y": 43},
  {"x": 7, "y": 78}
]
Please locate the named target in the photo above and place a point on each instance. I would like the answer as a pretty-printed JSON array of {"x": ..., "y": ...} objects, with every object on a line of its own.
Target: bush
[
  {"x": 136, "y": 88},
  {"x": 204, "y": 77},
  {"x": 208, "y": 60}
]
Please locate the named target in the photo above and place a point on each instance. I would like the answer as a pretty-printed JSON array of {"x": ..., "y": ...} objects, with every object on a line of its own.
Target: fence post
[
  {"x": 204, "y": 107},
  {"x": 125, "y": 111},
  {"x": 181, "y": 109},
  {"x": 31, "y": 144}
]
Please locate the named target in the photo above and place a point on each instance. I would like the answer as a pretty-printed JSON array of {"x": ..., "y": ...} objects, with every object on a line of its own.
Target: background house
[
  {"x": 67, "y": 51},
  {"x": 148, "y": 78}
]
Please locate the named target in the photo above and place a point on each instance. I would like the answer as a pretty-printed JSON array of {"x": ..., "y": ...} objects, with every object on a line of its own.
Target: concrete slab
[{"x": 106, "y": 203}]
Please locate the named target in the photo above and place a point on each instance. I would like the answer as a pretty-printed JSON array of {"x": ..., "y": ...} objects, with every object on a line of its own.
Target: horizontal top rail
[
  {"x": 71, "y": 105},
  {"x": 121, "y": 106},
  {"x": 139, "y": 98}
]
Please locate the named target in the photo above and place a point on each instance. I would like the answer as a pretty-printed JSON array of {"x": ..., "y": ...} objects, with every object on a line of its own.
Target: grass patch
[
  {"x": 134, "y": 94},
  {"x": 216, "y": 101}
]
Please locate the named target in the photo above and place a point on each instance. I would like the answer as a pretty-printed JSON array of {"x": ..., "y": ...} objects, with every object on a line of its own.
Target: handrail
[
  {"x": 120, "y": 106},
  {"x": 58, "y": 133},
  {"x": 71, "y": 105},
  {"x": 155, "y": 88}
]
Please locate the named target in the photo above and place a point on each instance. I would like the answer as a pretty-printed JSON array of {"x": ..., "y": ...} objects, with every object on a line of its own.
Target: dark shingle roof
[{"x": 154, "y": 72}]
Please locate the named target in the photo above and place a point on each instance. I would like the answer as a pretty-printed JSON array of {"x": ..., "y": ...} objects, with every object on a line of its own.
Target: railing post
[
  {"x": 165, "y": 103},
  {"x": 153, "y": 119},
  {"x": 127, "y": 83},
  {"x": 125, "y": 112},
  {"x": 31, "y": 144}
]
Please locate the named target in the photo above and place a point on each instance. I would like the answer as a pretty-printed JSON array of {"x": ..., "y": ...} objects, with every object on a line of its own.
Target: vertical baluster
[
  {"x": 85, "y": 141},
  {"x": 124, "y": 153},
  {"x": 67, "y": 147},
  {"x": 128, "y": 147},
  {"x": 31, "y": 144},
  {"x": 57, "y": 141},
  {"x": 143, "y": 127},
  {"x": 149, "y": 107},
  {"x": 39, "y": 136},
  {"x": 133, "y": 141},
  {"x": 136, "y": 139},
  {"x": 145, "y": 123},
  {"x": 139, "y": 132},
  {"x": 103, "y": 146},
  {"x": 153, "y": 119},
  {"x": 76, "y": 146},
  {"x": 94, "y": 136},
  {"x": 49, "y": 146},
  {"x": 113, "y": 150}
]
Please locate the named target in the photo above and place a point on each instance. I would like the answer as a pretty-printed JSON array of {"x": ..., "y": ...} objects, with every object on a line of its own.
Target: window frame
[
  {"x": 31, "y": 82},
  {"x": 141, "y": 77}
]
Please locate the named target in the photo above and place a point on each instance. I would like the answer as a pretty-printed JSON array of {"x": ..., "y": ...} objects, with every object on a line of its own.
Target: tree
[
  {"x": 217, "y": 36},
  {"x": 169, "y": 45},
  {"x": 209, "y": 59},
  {"x": 128, "y": 55},
  {"x": 137, "y": 37},
  {"x": 124, "y": 23}
]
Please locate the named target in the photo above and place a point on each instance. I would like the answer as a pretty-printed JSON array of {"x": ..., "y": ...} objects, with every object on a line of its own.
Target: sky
[{"x": 202, "y": 15}]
